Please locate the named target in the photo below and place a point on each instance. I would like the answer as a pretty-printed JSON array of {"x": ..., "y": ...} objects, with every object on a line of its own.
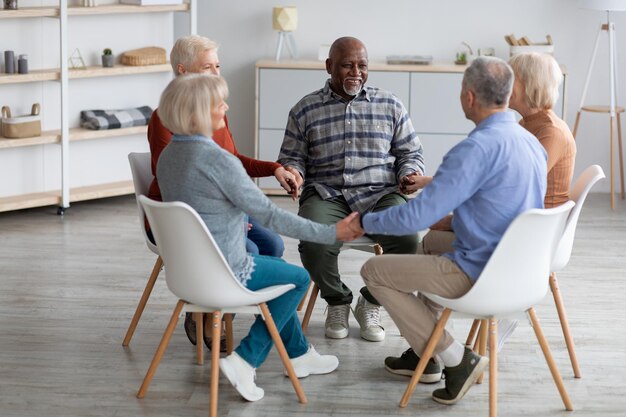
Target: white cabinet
[
  {"x": 429, "y": 92},
  {"x": 67, "y": 163}
]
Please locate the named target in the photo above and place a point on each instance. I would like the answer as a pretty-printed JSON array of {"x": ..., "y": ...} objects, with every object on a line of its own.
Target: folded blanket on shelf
[{"x": 115, "y": 119}]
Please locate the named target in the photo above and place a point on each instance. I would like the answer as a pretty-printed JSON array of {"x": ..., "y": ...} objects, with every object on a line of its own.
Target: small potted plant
[{"x": 108, "y": 59}]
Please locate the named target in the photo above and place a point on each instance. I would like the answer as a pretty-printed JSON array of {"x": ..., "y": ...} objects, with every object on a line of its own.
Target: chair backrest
[
  {"x": 515, "y": 277},
  {"x": 141, "y": 169},
  {"x": 578, "y": 194},
  {"x": 194, "y": 264}
]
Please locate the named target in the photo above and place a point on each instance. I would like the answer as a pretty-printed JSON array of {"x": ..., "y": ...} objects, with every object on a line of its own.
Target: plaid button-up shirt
[{"x": 358, "y": 149}]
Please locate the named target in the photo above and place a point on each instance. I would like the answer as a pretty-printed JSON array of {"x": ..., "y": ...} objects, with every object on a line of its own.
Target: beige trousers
[
  {"x": 394, "y": 281},
  {"x": 437, "y": 242}
]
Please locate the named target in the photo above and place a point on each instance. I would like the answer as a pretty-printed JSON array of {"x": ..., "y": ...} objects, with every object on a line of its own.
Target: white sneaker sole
[
  {"x": 424, "y": 379},
  {"x": 372, "y": 337},
  {"x": 304, "y": 373},
  {"x": 336, "y": 334}
]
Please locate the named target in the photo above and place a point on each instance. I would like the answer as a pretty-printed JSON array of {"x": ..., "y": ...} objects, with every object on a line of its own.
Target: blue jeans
[
  {"x": 269, "y": 271},
  {"x": 263, "y": 241}
]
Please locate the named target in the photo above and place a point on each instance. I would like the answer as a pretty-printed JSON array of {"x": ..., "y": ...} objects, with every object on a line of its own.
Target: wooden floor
[{"x": 70, "y": 285}]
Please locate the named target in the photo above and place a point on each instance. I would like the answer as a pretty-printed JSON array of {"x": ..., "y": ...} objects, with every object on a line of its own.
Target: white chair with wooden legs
[
  {"x": 362, "y": 243},
  {"x": 578, "y": 194},
  {"x": 140, "y": 167},
  {"x": 513, "y": 281},
  {"x": 198, "y": 274}
]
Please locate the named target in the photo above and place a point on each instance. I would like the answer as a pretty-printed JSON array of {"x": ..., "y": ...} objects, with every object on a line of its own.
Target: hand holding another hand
[
  {"x": 413, "y": 182},
  {"x": 349, "y": 228},
  {"x": 290, "y": 179}
]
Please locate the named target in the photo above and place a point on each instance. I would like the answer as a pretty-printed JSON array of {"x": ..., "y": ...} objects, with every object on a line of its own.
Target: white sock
[{"x": 453, "y": 355}]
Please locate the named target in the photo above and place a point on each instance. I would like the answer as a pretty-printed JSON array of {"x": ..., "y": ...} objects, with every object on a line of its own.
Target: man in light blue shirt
[{"x": 488, "y": 179}]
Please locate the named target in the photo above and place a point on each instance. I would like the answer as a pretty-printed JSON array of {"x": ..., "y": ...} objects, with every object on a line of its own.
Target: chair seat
[{"x": 255, "y": 298}]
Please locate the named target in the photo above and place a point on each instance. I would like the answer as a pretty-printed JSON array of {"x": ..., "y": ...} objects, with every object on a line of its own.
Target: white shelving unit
[{"x": 64, "y": 135}]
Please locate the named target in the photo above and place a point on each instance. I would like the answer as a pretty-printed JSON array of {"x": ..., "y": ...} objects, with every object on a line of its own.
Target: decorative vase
[{"x": 108, "y": 61}]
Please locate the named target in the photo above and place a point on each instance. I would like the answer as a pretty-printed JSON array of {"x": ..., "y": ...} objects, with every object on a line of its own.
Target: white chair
[
  {"x": 578, "y": 194},
  {"x": 513, "y": 281},
  {"x": 362, "y": 243},
  {"x": 197, "y": 273},
  {"x": 140, "y": 167}
]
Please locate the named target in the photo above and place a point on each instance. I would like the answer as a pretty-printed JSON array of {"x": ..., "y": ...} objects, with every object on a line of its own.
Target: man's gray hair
[{"x": 491, "y": 80}]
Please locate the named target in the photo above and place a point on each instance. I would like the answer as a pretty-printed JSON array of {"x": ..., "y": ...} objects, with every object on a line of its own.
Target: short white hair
[
  {"x": 541, "y": 77},
  {"x": 186, "y": 103},
  {"x": 186, "y": 50}
]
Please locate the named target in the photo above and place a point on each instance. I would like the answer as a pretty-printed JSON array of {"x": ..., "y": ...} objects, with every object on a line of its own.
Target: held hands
[
  {"x": 287, "y": 180},
  {"x": 413, "y": 182},
  {"x": 349, "y": 228}
]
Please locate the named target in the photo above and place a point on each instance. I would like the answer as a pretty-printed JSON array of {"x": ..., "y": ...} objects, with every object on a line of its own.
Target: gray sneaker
[
  {"x": 460, "y": 378},
  {"x": 406, "y": 364},
  {"x": 336, "y": 326},
  {"x": 368, "y": 316}
]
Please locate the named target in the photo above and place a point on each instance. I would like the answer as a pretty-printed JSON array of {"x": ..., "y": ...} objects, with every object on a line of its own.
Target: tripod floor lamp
[{"x": 612, "y": 109}]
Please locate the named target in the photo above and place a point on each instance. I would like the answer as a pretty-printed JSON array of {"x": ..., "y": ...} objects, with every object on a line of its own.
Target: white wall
[{"x": 244, "y": 31}]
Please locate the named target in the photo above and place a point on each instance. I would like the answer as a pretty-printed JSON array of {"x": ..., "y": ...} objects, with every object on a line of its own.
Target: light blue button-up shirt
[{"x": 496, "y": 173}]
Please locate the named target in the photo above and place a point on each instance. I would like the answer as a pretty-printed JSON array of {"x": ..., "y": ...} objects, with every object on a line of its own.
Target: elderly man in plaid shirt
[{"x": 354, "y": 149}]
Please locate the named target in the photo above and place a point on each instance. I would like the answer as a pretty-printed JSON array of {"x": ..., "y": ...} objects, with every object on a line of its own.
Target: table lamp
[
  {"x": 612, "y": 109},
  {"x": 285, "y": 21}
]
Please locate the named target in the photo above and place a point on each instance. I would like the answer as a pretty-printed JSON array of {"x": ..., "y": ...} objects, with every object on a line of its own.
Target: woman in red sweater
[{"x": 197, "y": 54}]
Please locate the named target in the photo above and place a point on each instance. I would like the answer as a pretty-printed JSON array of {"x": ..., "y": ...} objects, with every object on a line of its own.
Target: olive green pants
[{"x": 321, "y": 260}]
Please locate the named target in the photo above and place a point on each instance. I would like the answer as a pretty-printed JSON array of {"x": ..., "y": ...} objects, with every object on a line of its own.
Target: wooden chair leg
[
  {"x": 425, "y": 356},
  {"x": 197, "y": 317},
  {"x": 228, "y": 322},
  {"x": 309, "y": 308},
  {"x": 560, "y": 308},
  {"x": 301, "y": 305},
  {"x": 216, "y": 329},
  {"x": 476, "y": 347},
  {"x": 282, "y": 352},
  {"x": 576, "y": 124},
  {"x": 161, "y": 349},
  {"x": 482, "y": 346},
  {"x": 548, "y": 355},
  {"x": 158, "y": 264},
  {"x": 472, "y": 334},
  {"x": 493, "y": 367}
]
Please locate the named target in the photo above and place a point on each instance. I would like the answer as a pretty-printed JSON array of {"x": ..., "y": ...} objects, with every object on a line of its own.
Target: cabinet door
[
  {"x": 280, "y": 89},
  {"x": 435, "y": 147},
  {"x": 394, "y": 82},
  {"x": 435, "y": 104},
  {"x": 270, "y": 141}
]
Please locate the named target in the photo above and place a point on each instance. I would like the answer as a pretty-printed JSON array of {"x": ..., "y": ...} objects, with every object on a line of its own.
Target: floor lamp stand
[{"x": 613, "y": 109}]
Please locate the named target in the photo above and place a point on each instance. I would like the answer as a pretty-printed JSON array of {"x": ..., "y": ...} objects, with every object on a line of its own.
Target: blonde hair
[
  {"x": 541, "y": 77},
  {"x": 186, "y": 103},
  {"x": 186, "y": 50}
]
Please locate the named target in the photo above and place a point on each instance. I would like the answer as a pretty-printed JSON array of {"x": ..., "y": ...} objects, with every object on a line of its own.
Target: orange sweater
[
  {"x": 159, "y": 137},
  {"x": 555, "y": 136}
]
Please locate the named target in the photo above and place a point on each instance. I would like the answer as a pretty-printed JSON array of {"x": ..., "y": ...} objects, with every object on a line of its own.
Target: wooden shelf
[
  {"x": 54, "y": 74},
  {"x": 50, "y": 198},
  {"x": 25, "y": 201},
  {"x": 101, "y": 191},
  {"x": 53, "y": 136},
  {"x": 79, "y": 133},
  {"x": 85, "y": 11}
]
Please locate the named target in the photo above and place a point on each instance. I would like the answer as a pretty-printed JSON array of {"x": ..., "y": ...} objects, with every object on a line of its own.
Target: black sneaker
[
  {"x": 460, "y": 378},
  {"x": 406, "y": 364},
  {"x": 190, "y": 328}
]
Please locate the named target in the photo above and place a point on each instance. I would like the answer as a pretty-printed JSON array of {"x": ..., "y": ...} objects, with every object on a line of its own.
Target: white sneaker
[
  {"x": 312, "y": 363},
  {"x": 505, "y": 329},
  {"x": 241, "y": 375},
  {"x": 368, "y": 316},
  {"x": 337, "y": 321}
]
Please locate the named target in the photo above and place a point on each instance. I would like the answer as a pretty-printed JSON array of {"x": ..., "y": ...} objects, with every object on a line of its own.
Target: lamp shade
[
  {"x": 606, "y": 5},
  {"x": 285, "y": 18}
]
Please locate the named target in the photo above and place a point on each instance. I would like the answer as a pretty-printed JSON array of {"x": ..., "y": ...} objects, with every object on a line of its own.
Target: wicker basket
[{"x": 151, "y": 55}]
